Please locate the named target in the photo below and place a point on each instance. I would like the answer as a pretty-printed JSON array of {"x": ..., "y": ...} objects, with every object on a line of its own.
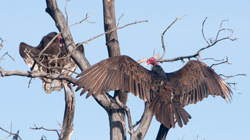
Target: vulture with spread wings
[
  {"x": 167, "y": 93},
  {"x": 52, "y": 60}
]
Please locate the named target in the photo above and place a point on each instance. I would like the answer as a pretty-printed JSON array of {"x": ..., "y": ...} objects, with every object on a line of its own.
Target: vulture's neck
[{"x": 159, "y": 71}]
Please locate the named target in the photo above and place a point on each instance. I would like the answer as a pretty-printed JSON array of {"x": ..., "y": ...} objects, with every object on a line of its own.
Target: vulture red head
[
  {"x": 152, "y": 61},
  {"x": 60, "y": 39}
]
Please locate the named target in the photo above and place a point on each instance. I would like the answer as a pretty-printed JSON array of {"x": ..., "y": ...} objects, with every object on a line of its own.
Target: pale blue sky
[{"x": 213, "y": 119}]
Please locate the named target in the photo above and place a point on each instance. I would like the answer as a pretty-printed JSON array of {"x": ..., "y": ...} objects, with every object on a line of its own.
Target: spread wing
[
  {"x": 195, "y": 81},
  {"x": 167, "y": 95},
  {"x": 190, "y": 84},
  {"x": 117, "y": 73}
]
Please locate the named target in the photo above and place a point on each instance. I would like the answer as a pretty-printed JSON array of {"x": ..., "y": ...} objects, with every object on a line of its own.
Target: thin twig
[
  {"x": 69, "y": 54},
  {"x": 214, "y": 59},
  {"x": 1, "y": 44},
  {"x": 136, "y": 22},
  {"x": 202, "y": 31},
  {"x": 8, "y": 55},
  {"x": 197, "y": 54},
  {"x": 59, "y": 123},
  {"x": 88, "y": 20},
  {"x": 56, "y": 68},
  {"x": 38, "y": 128},
  {"x": 10, "y": 132},
  {"x": 65, "y": 9},
  {"x": 119, "y": 20},
  {"x": 61, "y": 33},
  {"x": 220, "y": 28},
  {"x": 230, "y": 84},
  {"x": 233, "y": 87},
  {"x": 231, "y": 76},
  {"x": 226, "y": 61},
  {"x": 162, "y": 35},
  {"x": 142, "y": 60}
]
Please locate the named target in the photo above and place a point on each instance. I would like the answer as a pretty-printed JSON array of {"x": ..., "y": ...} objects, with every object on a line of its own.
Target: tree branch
[
  {"x": 114, "y": 29},
  {"x": 68, "y": 126},
  {"x": 212, "y": 43},
  {"x": 8, "y": 55},
  {"x": 231, "y": 76},
  {"x": 162, "y": 35},
  {"x": 38, "y": 128},
  {"x": 10, "y": 133},
  {"x": 1, "y": 44},
  {"x": 145, "y": 122},
  {"x": 34, "y": 74},
  {"x": 56, "y": 14},
  {"x": 131, "y": 128},
  {"x": 226, "y": 61}
]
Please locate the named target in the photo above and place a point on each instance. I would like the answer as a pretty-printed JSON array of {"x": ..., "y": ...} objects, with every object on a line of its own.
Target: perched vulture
[
  {"x": 167, "y": 93},
  {"x": 53, "y": 56}
]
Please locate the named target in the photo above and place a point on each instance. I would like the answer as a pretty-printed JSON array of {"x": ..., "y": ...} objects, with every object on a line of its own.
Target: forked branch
[
  {"x": 10, "y": 133},
  {"x": 162, "y": 35},
  {"x": 62, "y": 32},
  {"x": 42, "y": 128},
  {"x": 210, "y": 44}
]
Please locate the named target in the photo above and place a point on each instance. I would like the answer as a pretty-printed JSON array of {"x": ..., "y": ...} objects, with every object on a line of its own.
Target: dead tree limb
[
  {"x": 163, "y": 132},
  {"x": 54, "y": 11},
  {"x": 144, "y": 124},
  {"x": 222, "y": 62},
  {"x": 34, "y": 74},
  {"x": 2, "y": 58},
  {"x": 1, "y": 43},
  {"x": 46, "y": 129},
  {"x": 162, "y": 35},
  {"x": 212, "y": 43},
  {"x": 10, "y": 133},
  {"x": 116, "y": 114},
  {"x": 230, "y": 76},
  {"x": 68, "y": 126}
]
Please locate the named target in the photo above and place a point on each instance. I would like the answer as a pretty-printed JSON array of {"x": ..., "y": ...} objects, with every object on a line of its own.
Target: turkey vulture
[
  {"x": 51, "y": 57},
  {"x": 167, "y": 93}
]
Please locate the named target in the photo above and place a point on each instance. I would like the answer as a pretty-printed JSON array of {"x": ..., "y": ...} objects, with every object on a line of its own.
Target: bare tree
[{"x": 115, "y": 106}]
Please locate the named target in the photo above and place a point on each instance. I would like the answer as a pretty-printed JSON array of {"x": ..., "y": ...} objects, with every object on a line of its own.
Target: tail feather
[{"x": 168, "y": 113}]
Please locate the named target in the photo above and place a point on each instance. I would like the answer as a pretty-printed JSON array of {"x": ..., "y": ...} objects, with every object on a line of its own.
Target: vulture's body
[
  {"x": 167, "y": 93},
  {"x": 52, "y": 57}
]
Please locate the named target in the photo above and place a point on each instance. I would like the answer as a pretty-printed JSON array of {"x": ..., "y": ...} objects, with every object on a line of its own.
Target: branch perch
[{"x": 34, "y": 74}]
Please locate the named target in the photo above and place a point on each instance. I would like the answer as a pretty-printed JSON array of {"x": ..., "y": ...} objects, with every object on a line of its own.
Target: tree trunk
[
  {"x": 116, "y": 114},
  {"x": 68, "y": 126}
]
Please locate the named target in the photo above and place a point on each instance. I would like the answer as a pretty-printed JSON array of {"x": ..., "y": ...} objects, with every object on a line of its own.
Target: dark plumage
[
  {"x": 51, "y": 57},
  {"x": 167, "y": 93}
]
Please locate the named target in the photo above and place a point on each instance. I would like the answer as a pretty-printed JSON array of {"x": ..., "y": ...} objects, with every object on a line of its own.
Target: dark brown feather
[
  {"x": 167, "y": 93},
  {"x": 121, "y": 73},
  {"x": 29, "y": 53}
]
